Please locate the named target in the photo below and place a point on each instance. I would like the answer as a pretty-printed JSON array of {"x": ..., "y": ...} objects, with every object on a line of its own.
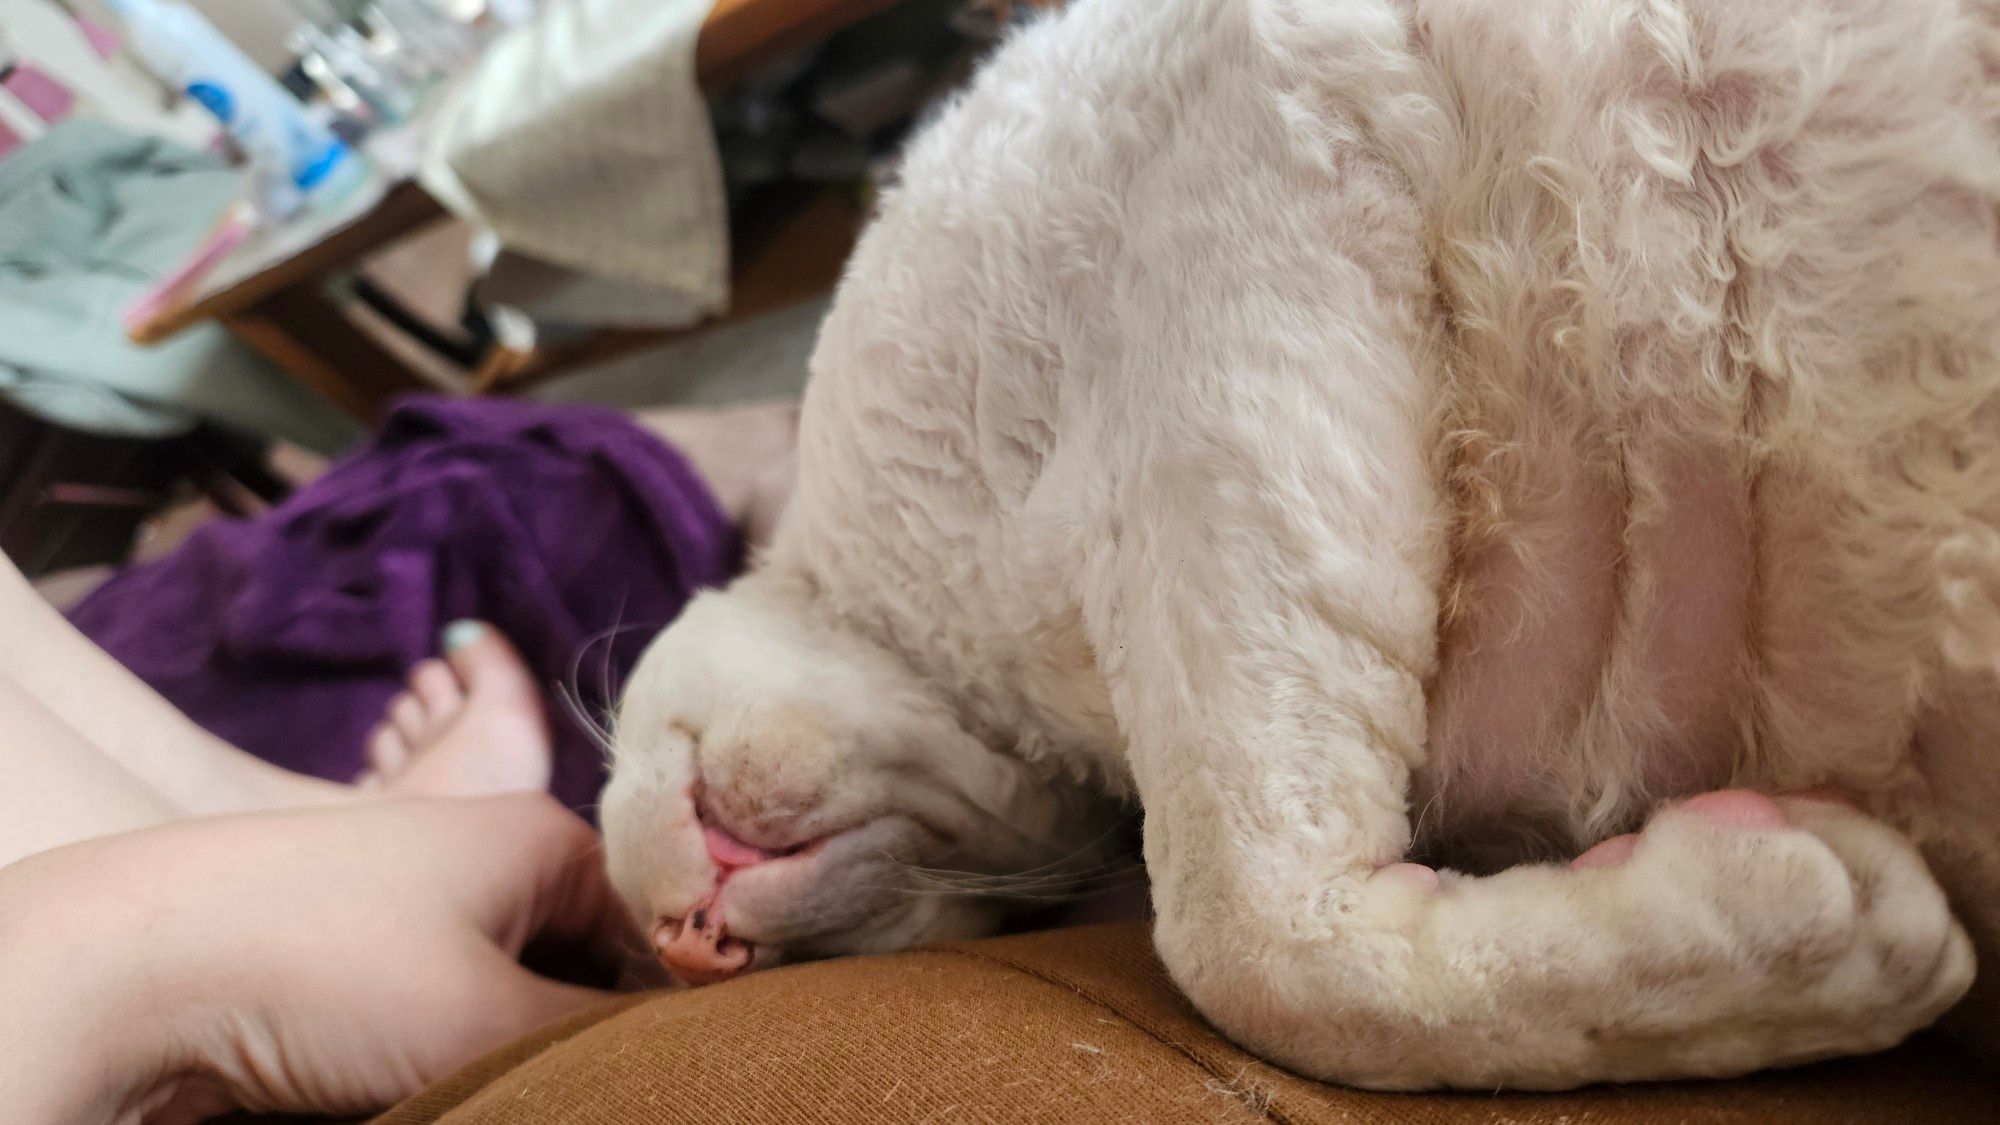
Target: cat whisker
[
  {"x": 1063, "y": 875},
  {"x": 964, "y": 892},
  {"x": 580, "y": 711},
  {"x": 1022, "y": 886},
  {"x": 595, "y": 721},
  {"x": 970, "y": 879}
]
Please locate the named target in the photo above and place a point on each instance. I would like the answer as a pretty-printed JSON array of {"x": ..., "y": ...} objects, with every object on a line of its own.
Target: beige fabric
[
  {"x": 582, "y": 140},
  {"x": 1074, "y": 1025}
]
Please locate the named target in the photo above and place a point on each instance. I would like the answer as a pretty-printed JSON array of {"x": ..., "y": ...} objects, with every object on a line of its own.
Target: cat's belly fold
[{"x": 1597, "y": 648}]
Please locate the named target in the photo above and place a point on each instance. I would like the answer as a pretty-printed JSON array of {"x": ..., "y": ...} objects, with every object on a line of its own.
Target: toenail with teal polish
[{"x": 460, "y": 634}]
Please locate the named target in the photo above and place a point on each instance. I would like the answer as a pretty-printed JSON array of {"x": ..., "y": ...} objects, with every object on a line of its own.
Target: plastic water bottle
[{"x": 292, "y": 155}]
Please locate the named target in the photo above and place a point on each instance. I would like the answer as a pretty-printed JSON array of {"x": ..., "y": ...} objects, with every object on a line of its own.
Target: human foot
[{"x": 468, "y": 724}]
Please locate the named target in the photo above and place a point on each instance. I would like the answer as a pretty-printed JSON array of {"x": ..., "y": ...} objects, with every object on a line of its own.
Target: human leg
[
  {"x": 60, "y": 788},
  {"x": 107, "y": 707}
]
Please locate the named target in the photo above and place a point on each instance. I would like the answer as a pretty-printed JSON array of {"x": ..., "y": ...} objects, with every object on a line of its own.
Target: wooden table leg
[{"x": 304, "y": 332}]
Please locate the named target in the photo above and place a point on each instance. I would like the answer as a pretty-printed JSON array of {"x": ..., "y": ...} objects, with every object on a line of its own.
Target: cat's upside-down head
[{"x": 782, "y": 787}]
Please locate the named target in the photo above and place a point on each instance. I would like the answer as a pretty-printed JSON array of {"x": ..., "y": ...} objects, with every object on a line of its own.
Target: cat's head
[{"x": 783, "y": 788}]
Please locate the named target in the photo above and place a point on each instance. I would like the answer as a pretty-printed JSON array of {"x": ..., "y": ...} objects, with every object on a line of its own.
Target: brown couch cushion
[{"x": 1070, "y": 1025}]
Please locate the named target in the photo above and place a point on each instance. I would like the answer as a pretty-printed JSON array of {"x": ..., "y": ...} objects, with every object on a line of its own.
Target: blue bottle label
[{"x": 214, "y": 99}]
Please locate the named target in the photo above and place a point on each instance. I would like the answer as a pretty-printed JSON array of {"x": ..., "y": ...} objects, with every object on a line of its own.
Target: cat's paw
[
  {"x": 1775, "y": 932},
  {"x": 1733, "y": 933}
]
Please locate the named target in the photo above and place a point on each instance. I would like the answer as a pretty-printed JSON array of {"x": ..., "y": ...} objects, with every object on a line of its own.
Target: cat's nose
[{"x": 698, "y": 949}]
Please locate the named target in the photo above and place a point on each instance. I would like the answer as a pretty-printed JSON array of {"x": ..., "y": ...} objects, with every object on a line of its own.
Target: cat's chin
[{"x": 810, "y": 794}]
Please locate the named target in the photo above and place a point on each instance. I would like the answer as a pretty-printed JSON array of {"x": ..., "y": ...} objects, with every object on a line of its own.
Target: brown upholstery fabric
[{"x": 1071, "y": 1025}]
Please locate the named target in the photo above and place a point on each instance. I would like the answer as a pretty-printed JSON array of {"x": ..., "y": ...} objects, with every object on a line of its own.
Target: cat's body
[{"x": 1358, "y": 429}]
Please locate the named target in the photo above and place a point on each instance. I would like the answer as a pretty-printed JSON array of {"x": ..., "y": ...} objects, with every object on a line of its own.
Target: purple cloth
[{"x": 576, "y": 533}]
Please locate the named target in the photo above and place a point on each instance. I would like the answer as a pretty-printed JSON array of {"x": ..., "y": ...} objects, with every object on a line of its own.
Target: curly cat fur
[{"x": 1358, "y": 428}]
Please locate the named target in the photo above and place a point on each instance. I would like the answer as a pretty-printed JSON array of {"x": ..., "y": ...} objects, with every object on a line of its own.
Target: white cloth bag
[{"x": 582, "y": 140}]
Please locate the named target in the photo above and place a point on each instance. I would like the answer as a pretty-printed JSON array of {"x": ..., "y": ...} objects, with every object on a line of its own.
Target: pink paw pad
[
  {"x": 1413, "y": 874},
  {"x": 1610, "y": 853},
  {"x": 1739, "y": 807},
  {"x": 1825, "y": 795}
]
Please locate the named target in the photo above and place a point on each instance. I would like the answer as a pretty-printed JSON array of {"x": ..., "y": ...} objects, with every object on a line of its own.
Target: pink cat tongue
[{"x": 730, "y": 853}]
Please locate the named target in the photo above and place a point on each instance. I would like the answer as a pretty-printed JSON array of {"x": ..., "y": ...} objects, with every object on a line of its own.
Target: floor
[{"x": 749, "y": 361}]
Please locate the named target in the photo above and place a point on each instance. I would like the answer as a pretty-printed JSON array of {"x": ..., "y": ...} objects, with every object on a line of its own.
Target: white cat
[{"x": 1360, "y": 430}]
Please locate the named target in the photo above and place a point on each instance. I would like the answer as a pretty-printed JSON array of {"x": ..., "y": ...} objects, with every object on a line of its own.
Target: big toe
[
  {"x": 496, "y": 738},
  {"x": 487, "y": 663}
]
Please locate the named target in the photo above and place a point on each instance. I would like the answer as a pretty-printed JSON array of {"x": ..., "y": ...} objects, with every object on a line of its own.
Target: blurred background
[{"x": 232, "y": 232}]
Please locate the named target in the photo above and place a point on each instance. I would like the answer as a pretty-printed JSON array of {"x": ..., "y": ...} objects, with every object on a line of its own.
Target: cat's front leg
[
  {"x": 1250, "y": 483},
  {"x": 1714, "y": 948},
  {"x": 1267, "y": 657}
]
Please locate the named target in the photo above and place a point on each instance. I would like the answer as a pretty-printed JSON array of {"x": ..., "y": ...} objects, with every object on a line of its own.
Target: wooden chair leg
[
  {"x": 232, "y": 470},
  {"x": 501, "y": 367},
  {"x": 304, "y": 332}
]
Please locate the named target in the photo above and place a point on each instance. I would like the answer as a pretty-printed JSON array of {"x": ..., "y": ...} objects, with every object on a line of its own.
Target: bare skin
[
  {"x": 107, "y": 708},
  {"x": 468, "y": 723},
  {"x": 202, "y": 1016},
  {"x": 323, "y": 960},
  {"x": 748, "y": 456},
  {"x": 427, "y": 882},
  {"x": 175, "y": 768}
]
